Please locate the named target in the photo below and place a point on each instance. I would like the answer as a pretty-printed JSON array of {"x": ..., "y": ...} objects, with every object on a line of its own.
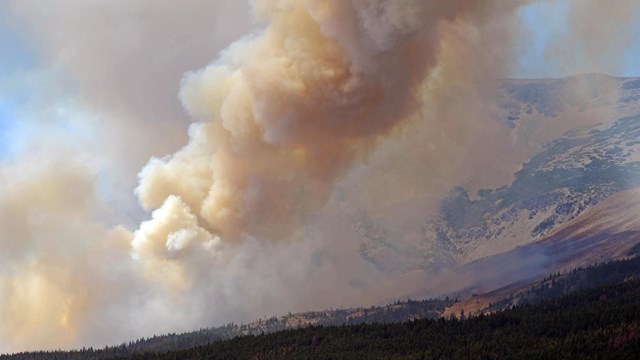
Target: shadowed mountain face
[
  {"x": 573, "y": 201},
  {"x": 552, "y": 97},
  {"x": 557, "y": 185},
  {"x": 596, "y": 157},
  {"x": 608, "y": 231}
]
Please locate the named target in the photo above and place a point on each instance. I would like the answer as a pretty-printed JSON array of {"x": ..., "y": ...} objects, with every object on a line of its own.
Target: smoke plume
[
  {"x": 286, "y": 113},
  {"x": 327, "y": 108}
]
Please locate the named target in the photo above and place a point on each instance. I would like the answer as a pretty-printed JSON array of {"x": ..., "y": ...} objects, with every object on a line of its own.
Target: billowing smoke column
[
  {"x": 281, "y": 117},
  {"x": 284, "y": 114}
]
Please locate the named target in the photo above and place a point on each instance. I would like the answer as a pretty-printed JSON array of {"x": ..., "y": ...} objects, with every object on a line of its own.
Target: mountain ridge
[{"x": 568, "y": 175}]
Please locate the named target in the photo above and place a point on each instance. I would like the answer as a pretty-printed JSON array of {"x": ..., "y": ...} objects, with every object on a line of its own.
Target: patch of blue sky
[
  {"x": 33, "y": 98},
  {"x": 16, "y": 60},
  {"x": 15, "y": 53},
  {"x": 544, "y": 22},
  {"x": 6, "y": 116},
  {"x": 631, "y": 60},
  {"x": 13, "y": 132}
]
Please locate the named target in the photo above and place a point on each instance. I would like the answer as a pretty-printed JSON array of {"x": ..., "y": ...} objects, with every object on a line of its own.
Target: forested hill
[
  {"x": 550, "y": 287},
  {"x": 558, "y": 284},
  {"x": 594, "y": 309},
  {"x": 601, "y": 323},
  {"x": 397, "y": 312}
]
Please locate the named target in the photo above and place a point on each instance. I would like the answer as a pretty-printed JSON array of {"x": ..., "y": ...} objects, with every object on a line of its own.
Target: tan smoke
[
  {"x": 55, "y": 259},
  {"x": 600, "y": 31},
  {"x": 391, "y": 101},
  {"x": 120, "y": 64},
  {"x": 286, "y": 113}
]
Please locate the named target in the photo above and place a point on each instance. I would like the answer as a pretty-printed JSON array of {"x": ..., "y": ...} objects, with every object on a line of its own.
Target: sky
[
  {"x": 16, "y": 58},
  {"x": 546, "y": 21},
  {"x": 168, "y": 165},
  {"x": 543, "y": 22}
]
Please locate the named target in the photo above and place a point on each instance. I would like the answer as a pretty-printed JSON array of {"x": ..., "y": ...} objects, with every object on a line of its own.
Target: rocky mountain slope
[
  {"x": 569, "y": 175},
  {"x": 608, "y": 231},
  {"x": 551, "y": 286}
]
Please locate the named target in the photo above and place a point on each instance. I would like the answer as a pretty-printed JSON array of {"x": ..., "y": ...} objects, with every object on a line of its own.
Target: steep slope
[
  {"x": 600, "y": 323},
  {"x": 597, "y": 323},
  {"x": 550, "y": 287},
  {"x": 598, "y": 155},
  {"x": 608, "y": 231}
]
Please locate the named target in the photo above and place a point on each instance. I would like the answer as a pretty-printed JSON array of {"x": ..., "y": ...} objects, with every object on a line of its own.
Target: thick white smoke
[
  {"x": 368, "y": 96},
  {"x": 282, "y": 117},
  {"x": 286, "y": 113}
]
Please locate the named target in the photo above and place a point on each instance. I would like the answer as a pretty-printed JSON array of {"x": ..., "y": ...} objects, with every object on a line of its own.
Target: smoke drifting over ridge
[
  {"x": 371, "y": 96},
  {"x": 288, "y": 112}
]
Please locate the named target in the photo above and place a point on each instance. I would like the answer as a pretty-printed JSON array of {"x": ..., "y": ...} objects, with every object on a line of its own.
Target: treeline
[
  {"x": 399, "y": 311},
  {"x": 581, "y": 278},
  {"x": 601, "y": 323},
  {"x": 590, "y": 312},
  {"x": 155, "y": 344}
]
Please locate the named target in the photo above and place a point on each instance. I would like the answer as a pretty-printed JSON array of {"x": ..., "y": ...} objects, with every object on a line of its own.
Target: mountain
[
  {"x": 550, "y": 287},
  {"x": 600, "y": 323},
  {"x": 597, "y": 156},
  {"x": 609, "y": 230},
  {"x": 573, "y": 202}
]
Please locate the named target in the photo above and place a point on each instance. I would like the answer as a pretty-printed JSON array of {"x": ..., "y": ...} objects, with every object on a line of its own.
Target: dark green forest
[
  {"x": 558, "y": 284},
  {"x": 588, "y": 313},
  {"x": 399, "y": 311},
  {"x": 601, "y": 323}
]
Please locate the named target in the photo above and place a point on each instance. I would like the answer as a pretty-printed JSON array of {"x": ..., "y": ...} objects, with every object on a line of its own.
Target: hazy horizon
[{"x": 169, "y": 166}]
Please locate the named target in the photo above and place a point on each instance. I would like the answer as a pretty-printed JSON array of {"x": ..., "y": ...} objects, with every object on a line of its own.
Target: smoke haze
[{"x": 251, "y": 170}]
